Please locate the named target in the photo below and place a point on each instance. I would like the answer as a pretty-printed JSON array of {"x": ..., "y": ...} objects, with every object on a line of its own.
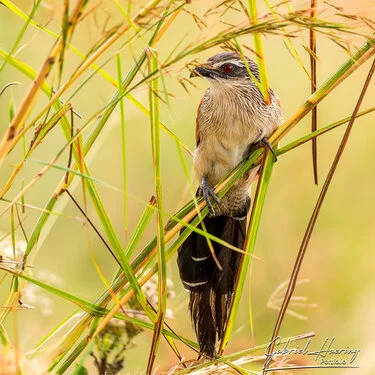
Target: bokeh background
[{"x": 338, "y": 267}]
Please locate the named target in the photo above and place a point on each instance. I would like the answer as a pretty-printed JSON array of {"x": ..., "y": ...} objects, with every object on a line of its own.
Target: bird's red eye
[{"x": 228, "y": 68}]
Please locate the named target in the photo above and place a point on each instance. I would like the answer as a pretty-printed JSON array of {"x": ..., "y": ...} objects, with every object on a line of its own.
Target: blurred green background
[{"x": 340, "y": 258}]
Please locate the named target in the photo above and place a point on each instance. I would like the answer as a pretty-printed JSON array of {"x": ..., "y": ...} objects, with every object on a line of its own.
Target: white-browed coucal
[{"x": 232, "y": 117}]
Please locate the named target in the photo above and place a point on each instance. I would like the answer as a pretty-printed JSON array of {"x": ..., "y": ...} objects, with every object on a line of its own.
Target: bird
[{"x": 233, "y": 118}]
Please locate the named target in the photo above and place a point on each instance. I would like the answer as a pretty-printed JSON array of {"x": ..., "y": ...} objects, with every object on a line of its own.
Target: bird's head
[{"x": 228, "y": 69}]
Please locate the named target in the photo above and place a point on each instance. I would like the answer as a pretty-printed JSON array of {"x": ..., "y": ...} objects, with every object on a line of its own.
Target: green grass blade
[
  {"x": 22, "y": 32},
  {"x": 87, "y": 306},
  {"x": 265, "y": 87},
  {"x": 18, "y": 12},
  {"x": 123, "y": 141},
  {"x": 141, "y": 107},
  {"x": 79, "y": 174},
  {"x": 59, "y": 327},
  {"x": 4, "y": 338},
  {"x": 317, "y": 133},
  {"x": 155, "y": 145},
  {"x": 140, "y": 228}
]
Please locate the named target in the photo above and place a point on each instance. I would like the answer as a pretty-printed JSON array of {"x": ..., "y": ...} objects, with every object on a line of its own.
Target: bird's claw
[
  {"x": 266, "y": 143},
  {"x": 208, "y": 193}
]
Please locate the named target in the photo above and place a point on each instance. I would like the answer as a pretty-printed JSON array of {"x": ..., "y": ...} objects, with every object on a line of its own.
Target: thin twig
[
  {"x": 92, "y": 226},
  {"x": 313, "y": 88}
]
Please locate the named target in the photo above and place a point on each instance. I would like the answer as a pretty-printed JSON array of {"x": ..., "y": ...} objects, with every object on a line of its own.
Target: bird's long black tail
[{"x": 211, "y": 289}]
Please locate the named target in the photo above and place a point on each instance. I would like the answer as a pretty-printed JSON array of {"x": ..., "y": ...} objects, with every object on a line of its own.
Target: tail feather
[
  {"x": 211, "y": 289},
  {"x": 203, "y": 319}
]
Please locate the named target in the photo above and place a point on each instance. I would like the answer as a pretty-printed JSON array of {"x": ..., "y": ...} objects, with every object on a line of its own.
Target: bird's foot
[
  {"x": 208, "y": 193},
  {"x": 266, "y": 143}
]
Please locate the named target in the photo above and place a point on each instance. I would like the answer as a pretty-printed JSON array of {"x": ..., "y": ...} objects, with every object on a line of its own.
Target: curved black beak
[
  {"x": 201, "y": 71},
  {"x": 207, "y": 71}
]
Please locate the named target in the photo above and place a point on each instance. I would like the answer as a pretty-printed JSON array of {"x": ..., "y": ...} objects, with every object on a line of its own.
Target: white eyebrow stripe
[
  {"x": 192, "y": 285},
  {"x": 240, "y": 64},
  {"x": 199, "y": 259}
]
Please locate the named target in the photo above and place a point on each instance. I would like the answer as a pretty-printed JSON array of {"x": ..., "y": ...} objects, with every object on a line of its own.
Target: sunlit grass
[{"x": 36, "y": 119}]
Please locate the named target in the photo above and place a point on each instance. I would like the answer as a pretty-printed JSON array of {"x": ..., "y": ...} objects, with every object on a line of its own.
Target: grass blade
[
  {"x": 123, "y": 141},
  {"x": 22, "y": 32},
  {"x": 319, "y": 132},
  {"x": 141, "y": 226},
  {"x": 87, "y": 306},
  {"x": 155, "y": 143},
  {"x": 265, "y": 87}
]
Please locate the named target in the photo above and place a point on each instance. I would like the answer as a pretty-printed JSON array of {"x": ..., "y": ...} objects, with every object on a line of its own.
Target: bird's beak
[{"x": 202, "y": 71}]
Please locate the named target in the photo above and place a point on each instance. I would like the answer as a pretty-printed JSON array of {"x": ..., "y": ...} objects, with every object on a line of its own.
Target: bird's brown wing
[
  {"x": 197, "y": 133},
  {"x": 277, "y": 100}
]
